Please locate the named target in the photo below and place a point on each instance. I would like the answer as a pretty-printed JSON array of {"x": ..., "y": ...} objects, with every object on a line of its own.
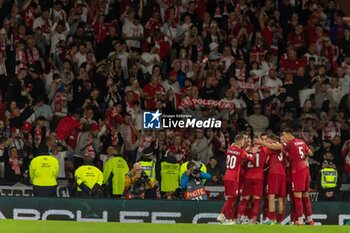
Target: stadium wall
[{"x": 137, "y": 211}]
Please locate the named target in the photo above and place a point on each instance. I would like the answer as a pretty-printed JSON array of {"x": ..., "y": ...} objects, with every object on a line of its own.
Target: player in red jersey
[
  {"x": 235, "y": 155},
  {"x": 276, "y": 181},
  {"x": 297, "y": 152},
  {"x": 254, "y": 181},
  {"x": 247, "y": 144}
]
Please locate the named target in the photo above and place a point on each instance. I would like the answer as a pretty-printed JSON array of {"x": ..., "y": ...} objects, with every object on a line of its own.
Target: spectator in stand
[
  {"x": 129, "y": 134},
  {"x": 258, "y": 121},
  {"x": 214, "y": 170}
]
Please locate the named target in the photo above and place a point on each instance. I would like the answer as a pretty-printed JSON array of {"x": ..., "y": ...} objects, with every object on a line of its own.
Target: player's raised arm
[{"x": 268, "y": 145}]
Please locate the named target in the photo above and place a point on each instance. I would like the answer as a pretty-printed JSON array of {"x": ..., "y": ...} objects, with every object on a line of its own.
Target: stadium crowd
[{"x": 77, "y": 75}]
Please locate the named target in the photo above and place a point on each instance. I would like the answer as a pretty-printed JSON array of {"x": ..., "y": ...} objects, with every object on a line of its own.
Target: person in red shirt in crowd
[
  {"x": 254, "y": 181},
  {"x": 178, "y": 149},
  {"x": 318, "y": 36},
  {"x": 289, "y": 62},
  {"x": 151, "y": 90},
  {"x": 154, "y": 22},
  {"x": 297, "y": 153},
  {"x": 310, "y": 29},
  {"x": 100, "y": 30},
  {"x": 29, "y": 9},
  {"x": 67, "y": 127},
  {"x": 297, "y": 39},
  {"x": 235, "y": 155},
  {"x": 276, "y": 182}
]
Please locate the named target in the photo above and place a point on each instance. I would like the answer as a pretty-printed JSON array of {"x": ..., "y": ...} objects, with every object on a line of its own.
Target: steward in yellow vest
[
  {"x": 43, "y": 171},
  {"x": 169, "y": 173},
  {"x": 89, "y": 179},
  {"x": 328, "y": 182},
  {"x": 148, "y": 164},
  {"x": 114, "y": 175}
]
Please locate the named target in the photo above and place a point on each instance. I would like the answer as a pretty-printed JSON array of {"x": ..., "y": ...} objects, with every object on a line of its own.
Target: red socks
[
  {"x": 242, "y": 208},
  {"x": 256, "y": 209},
  {"x": 224, "y": 208},
  {"x": 298, "y": 207},
  {"x": 229, "y": 212},
  {"x": 307, "y": 206},
  {"x": 272, "y": 216},
  {"x": 227, "y": 209},
  {"x": 280, "y": 217}
]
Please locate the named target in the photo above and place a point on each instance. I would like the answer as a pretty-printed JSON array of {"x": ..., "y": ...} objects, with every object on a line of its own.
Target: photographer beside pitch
[
  {"x": 192, "y": 182},
  {"x": 136, "y": 183}
]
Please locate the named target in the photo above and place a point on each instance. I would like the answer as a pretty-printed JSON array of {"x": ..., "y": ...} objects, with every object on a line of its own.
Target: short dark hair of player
[
  {"x": 272, "y": 136},
  {"x": 238, "y": 138},
  {"x": 287, "y": 131}
]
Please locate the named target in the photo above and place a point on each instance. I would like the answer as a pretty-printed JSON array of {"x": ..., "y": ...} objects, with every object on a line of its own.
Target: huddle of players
[{"x": 276, "y": 167}]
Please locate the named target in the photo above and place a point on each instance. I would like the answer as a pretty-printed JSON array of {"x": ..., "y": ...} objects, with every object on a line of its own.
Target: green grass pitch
[{"x": 19, "y": 226}]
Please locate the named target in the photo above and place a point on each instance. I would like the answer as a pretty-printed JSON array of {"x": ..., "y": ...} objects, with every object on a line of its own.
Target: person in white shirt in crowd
[
  {"x": 60, "y": 154},
  {"x": 80, "y": 56},
  {"x": 133, "y": 32},
  {"x": 272, "y": 80},
  {"x": 344, "y": 80},
  {"x": 44, "y": 23},
  {"x": 171, "y": 83},
  {"x": 149, "y": 59},
  {"x": 59, "y": 32},
  {"x": 335, "y": 91},
  {"x": 258, "y": 121},
  {"x": 199, "y": 147}
]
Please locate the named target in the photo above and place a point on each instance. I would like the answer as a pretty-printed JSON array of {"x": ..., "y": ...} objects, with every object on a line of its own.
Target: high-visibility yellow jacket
[
  {"x": 43, "y": 170},
  {"x": 89, "y": 175},
  {"x": 115, "y": 169},
  {"x": 149, "y": 167},
  {"x": 183, "y": 169},
  {"x": 170, "y": 176}
]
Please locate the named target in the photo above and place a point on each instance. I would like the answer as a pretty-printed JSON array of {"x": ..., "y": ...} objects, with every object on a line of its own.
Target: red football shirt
[
  {"x": 297, "y": 150},
  {"x": 151, "y": 90},
  {"x": 234, "y": 159},
  {"x": 255, "y": 167},
  {"x": 276, "y": 162}
]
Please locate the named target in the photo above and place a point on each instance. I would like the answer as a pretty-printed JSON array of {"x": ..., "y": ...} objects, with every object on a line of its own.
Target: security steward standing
[
  {"x": 43, "y": 171},
  {"x": 148, "y": 164},
  {"x": 328, "y": 182},
  {"x": 169, "y": 173},
  {"x": 89, "y": 178},
  {"x": 114, "y": 174}
]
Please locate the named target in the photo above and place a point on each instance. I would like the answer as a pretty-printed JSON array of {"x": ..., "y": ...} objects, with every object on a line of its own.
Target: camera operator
[
  {"x": 192, "y": 181},
  {"x": 136, "y": 183}
]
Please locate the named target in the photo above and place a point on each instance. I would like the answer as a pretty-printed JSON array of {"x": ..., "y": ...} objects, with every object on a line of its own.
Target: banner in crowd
[
  {"x": 244, "y": 85},
  {"x": 138, "y": 211},
  {"x": 189, "y": 102}
]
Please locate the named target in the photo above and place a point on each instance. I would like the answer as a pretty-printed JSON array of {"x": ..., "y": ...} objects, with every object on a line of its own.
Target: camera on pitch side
[
  {"x": 195, "y": 171},
  {"x": 144, "y": 176}
]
